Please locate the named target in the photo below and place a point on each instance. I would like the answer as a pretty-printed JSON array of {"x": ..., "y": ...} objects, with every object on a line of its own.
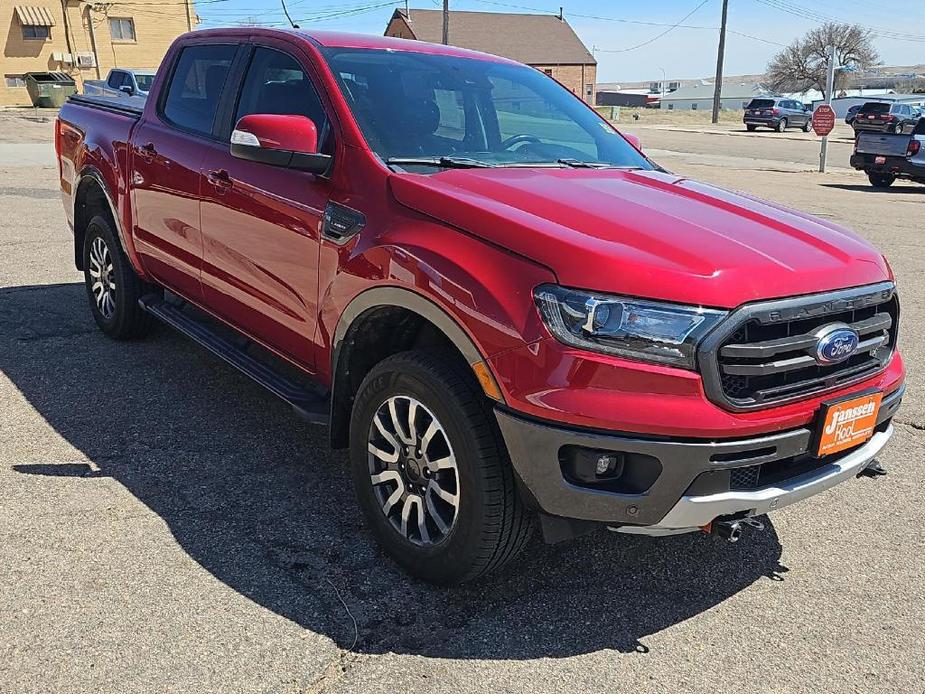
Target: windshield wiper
[{"x": 442, "y": 162}]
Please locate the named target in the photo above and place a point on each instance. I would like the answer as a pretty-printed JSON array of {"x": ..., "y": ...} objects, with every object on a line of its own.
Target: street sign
[{"x": 823, "y": 120}]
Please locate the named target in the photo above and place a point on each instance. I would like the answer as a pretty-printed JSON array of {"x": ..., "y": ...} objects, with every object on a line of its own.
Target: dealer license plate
[{"x": 847, "y": 423}]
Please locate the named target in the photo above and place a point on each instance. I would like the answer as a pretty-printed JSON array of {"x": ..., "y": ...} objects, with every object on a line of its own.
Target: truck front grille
[{"x": 764, "y": 354}]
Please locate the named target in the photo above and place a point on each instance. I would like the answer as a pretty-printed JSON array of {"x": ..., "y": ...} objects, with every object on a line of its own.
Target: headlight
[{"x": 632, "y": 328}]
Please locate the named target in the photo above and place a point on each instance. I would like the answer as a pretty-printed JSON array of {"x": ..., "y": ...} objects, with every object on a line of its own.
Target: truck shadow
[{"x": 257, "y": 499}]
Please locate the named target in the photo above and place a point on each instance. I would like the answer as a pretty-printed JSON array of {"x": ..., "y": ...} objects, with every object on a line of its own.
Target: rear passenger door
[
  {"x": 167, "y": 149},
  {"x": 261, "y": 224}
]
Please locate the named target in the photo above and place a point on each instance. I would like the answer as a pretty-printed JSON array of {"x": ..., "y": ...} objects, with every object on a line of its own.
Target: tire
[
  {"x": 112, "y": 286},
  {"x": 488, "y": 525},
  {"x": 807, "y": 126},
  {"x": 781, "y": 125},
  {"x": 751, "y": 128},
  {"x": 879, "y": 180},
  {"x": 898, "y": 129}
]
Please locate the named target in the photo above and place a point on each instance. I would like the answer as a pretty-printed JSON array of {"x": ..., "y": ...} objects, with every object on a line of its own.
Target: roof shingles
[{"x": 534, "y": 39}]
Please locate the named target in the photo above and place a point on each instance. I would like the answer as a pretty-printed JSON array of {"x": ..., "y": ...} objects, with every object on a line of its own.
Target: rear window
[
  {"x": 760, "y": 103},
  {"x": 196, "y": 87},
  {"x": 873, "y": 107}
]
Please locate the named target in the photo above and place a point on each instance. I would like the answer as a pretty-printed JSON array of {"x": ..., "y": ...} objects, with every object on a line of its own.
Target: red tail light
[
  {"x": 775, "y": 111},
  {"x": 890, "y": 118},
  {"x": 58, "y": 137},
  {"x": 914, "y": 147}
]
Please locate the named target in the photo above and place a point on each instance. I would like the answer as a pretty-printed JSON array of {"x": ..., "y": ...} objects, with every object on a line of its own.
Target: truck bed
[{"x": 125, "y": 104}]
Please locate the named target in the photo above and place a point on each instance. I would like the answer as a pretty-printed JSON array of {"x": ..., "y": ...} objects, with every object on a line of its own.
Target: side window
[
  {"x": 196, "y": 86},
  {"x": 277, "y": 84},
  {"x": 115, "y": 79}
]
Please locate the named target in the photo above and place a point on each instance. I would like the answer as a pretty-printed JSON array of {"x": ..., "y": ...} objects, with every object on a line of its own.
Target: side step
[{"x": 309, "y": 405}]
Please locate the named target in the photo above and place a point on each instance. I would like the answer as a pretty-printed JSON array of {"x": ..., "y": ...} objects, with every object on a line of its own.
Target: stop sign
[{"x": 823, "y": 120}]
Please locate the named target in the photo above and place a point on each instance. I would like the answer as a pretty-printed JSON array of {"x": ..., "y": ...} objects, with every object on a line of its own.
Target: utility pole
[
  {"x": 446, "y": 22},
  {"x": 718, "y": 87},
  {"x": 829, "y": 88}
]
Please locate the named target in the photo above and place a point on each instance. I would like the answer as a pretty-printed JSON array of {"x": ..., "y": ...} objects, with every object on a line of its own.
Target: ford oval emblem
[{"x": 836, "y": 343}]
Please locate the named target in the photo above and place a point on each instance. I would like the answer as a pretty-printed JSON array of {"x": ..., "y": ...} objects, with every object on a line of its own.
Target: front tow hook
[
  {"x": 731, "y": 530},
  {"x": 874, "y": 470}
]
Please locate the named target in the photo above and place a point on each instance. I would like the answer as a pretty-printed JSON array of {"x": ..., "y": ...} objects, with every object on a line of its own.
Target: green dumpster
[{"x": 49, "y": 89}]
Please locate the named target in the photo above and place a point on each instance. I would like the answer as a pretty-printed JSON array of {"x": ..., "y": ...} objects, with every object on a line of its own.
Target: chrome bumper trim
[{"x": 693, "y": 512}]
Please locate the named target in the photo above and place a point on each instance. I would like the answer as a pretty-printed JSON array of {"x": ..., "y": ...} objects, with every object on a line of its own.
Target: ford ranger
[{"x": 506, "y": 312}]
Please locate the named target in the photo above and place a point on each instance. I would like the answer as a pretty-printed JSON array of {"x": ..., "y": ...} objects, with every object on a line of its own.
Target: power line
[{"x": 821, "y": 18}]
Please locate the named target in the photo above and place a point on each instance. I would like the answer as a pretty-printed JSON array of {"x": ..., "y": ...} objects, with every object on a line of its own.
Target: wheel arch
[
  {"x": 378, "y": 323},
  {"x": 92, "y": 196}
]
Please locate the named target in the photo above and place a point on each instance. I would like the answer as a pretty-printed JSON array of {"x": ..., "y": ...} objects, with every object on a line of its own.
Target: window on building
[
  {"x": 196, "y": 86},
  {"x": 122, "y": 28},
  {"x": 31, "y": 32},
  {"x": 694, "y": 107},
  {"x": 589, "y": 90},
  {"x": 671, "y": 107},
  {"x": 548, "y": 71},
  {"x": 12, "y": 81}
]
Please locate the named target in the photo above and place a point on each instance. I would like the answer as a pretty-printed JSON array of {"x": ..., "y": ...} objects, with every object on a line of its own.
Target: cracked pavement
[{"x": 166, "y": 525}]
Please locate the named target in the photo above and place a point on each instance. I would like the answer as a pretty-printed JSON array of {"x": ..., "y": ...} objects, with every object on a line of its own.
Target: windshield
[
  {"x": 144, "y": 81},
  {"x": 760, "y": 103},
  {"x": 875, "y": 108},
  {"x": 422, "y": 106}
]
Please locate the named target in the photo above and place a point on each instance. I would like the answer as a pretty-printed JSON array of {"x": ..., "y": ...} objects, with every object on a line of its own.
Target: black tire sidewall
[
  {"x": 125, "y": 321},
  {"x": 451, "y": 560}
]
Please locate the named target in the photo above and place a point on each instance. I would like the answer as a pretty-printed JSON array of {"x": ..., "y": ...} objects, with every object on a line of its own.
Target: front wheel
[
  {"x": 431, "y": 471},
  {"x": 781, "y": 125},
  {"x": 879, "y": 180},
  {"x": 113, "y": 288}
]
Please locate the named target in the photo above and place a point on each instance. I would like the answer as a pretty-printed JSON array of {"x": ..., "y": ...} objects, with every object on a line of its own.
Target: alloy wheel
[
  {"x": 103, "y": 283},
  {"x": 413, "y": 470}
]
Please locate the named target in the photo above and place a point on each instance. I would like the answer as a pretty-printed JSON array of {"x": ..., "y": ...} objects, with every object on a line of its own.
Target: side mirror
[
  {"x": 288, "y": 141},
  {"x": 127, "y": 89},
  {"x": 633, "y": 140}
]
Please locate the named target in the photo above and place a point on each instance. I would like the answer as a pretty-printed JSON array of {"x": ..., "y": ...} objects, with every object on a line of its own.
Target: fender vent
[{"x": 341, "y": 223}]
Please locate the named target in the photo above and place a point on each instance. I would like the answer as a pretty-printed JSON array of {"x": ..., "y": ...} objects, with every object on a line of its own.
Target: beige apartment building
[
  {"x": 544, "y": 41},
  {"x": 84, "y": 39}
]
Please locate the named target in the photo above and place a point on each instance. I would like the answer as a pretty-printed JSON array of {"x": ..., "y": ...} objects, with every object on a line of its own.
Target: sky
[{"x": 632, "y": 41}]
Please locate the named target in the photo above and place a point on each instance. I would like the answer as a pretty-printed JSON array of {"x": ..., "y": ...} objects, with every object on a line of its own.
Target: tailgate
[{"x": 881, "y": 143}]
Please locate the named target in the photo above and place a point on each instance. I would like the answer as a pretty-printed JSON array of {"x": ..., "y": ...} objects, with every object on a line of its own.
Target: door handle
[
  {"x": 149, "y": 153},
  {"x": 220, "y": 179}
]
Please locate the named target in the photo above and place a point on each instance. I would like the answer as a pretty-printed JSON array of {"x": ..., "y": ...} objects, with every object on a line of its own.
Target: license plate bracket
[{"x": 846, "y": 422}]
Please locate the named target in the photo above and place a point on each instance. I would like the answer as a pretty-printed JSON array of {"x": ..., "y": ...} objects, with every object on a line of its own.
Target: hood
[{"x": 646, "y": 234}]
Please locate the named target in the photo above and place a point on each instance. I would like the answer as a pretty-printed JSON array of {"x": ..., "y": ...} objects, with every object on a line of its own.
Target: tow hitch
[
  {"x": 873, "y": 470},
  {"x": 731, "y": 529}
]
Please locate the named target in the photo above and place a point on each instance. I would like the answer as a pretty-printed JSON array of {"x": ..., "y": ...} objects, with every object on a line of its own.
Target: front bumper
[{"x": 677, "y": 471}]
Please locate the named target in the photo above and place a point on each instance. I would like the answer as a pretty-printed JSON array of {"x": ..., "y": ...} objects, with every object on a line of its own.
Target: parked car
[
  {"x": 885, "y": 158},
  {"x": 121, "y": 81},
  {"x": 498, "y": 304},
  {"x": 879, "y": 116},
  {"x": 777, "y": 114},
  {"x": 852, "y": 113}
]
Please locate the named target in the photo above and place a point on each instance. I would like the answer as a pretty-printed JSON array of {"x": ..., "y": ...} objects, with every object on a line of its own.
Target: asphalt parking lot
[{"x": 166, "y": 525}]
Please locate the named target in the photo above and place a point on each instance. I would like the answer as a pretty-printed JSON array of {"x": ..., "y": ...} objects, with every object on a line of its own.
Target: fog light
[{"x": 606, "y": 463}]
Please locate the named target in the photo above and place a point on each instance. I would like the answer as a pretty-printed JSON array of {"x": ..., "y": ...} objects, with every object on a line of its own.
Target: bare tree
[{"x": 804, "y": 63}]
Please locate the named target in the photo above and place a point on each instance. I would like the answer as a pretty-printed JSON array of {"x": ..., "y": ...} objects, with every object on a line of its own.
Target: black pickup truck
[{"x": 885, "y": 158}]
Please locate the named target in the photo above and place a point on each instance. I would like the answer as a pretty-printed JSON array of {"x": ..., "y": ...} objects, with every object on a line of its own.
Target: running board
[{"x": 310, "y": 406}]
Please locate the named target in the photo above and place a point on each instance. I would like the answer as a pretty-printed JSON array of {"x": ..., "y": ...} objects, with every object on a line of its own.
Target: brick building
[
  {"x": 543, "y": 41},
  {"x": 84, "y": 39}
]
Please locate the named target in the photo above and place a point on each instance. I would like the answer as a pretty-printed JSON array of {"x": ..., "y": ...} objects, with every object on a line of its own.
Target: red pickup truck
[{"x": 505, "y": 310}]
